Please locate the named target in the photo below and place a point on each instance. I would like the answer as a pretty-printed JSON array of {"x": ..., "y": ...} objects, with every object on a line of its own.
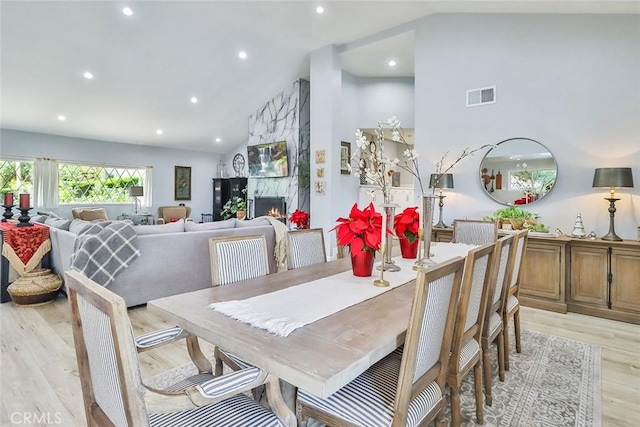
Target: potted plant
[
  {"x": 236, "y": 206},
  {"x": 515, "y": 218},
  {"x": 300, "y": 219},
  {"x": 361, "y": 231},
  {"x": 406, "y": 225}
]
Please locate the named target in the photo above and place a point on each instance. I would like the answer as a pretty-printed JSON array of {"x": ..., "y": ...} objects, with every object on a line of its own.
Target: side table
[
  {"x": 138, "y": 219},
  {"x": 23, "y": 248}
]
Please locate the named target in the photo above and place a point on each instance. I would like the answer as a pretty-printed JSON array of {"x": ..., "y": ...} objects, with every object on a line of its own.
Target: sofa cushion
[
  {"x": 252, "y": 222},
  {"x": 172, "y": 227},
  {"x": 39, "y": 218},
  {"x": 60, "y": 223},
  {"x": 91, "y": 214},
  {"x": 216, "y": 225}
]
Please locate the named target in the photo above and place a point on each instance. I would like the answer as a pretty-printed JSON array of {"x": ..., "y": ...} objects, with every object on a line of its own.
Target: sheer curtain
[
  {"x": 147, "y": 187},
  {"x": 45, "y": 183}
]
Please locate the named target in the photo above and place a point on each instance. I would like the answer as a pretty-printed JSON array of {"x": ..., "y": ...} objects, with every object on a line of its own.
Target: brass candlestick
[{"x": 381, "y": 282}]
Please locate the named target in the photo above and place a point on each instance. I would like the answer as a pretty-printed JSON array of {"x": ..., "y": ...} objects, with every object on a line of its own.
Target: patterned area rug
[{"x": 553, "y": 382}]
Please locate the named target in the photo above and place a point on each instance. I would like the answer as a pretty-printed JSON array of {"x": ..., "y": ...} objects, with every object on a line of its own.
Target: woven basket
[{"x": 36, "y": 287}]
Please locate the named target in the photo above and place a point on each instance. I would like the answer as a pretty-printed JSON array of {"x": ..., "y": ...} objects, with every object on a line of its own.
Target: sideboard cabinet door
[
  {"x": 589, "y": 274},
  {"x": 543, "y": 275},
  {"x": 625, "y": 280}
]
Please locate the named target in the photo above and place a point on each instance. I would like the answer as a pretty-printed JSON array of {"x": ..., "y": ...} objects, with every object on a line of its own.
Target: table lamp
[
  {"x": 441, "y": 181},
  {"x": 136, "y": 192},
  {"x": 612, "y": 178}
]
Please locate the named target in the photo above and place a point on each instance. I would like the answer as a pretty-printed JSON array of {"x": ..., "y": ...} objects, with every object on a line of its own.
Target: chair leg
[
  {"x": 486, "y": 365},
  {"x": 439, "y": 421},
  {"x": 455, "y": 406},
  {"x": 505, "y": 336},
  {"x": 477, "y": 380},
  {"x": 500, "y": 343},
  {"x": 516, "y": 325}
]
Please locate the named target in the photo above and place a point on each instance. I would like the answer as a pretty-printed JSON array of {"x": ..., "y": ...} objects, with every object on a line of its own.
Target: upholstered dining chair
[
  {"x": 492, "y": 329},
  {"x": 511, "y": 305},
  {"x": 466, "y": 349},
  {"x": 406, "y": 388},
  {"x": 474, "y": 232},
  {"x": 305, "y": 247},
  {"x": 112, "y": 387},
  {"x": 229, "y": 256}
]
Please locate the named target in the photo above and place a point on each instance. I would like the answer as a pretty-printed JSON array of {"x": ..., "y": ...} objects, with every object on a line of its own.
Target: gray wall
[
  {"x": 571, "y": 82},
  {"x": 203, "y": 165}
]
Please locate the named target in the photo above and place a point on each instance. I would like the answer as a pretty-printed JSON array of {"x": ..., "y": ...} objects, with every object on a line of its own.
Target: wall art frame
[
  {"x": 182, "y": 183},
  {"x": 345, "y": 158}
]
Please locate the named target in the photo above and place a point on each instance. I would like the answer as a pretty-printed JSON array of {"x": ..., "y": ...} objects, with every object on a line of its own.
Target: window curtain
[
  {"x": 45, "y": 183},
  {"x": 147, "y": 187}
]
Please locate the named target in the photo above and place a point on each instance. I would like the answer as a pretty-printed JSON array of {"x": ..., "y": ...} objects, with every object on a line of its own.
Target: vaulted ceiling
[{"x": 148, "y": 66}]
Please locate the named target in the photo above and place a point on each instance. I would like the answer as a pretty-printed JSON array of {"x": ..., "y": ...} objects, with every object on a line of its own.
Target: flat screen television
[{"x": 268, "y": 160}]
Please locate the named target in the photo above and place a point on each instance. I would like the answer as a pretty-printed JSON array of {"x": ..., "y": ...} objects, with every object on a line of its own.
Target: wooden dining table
[{"x": 320, "y": 357}]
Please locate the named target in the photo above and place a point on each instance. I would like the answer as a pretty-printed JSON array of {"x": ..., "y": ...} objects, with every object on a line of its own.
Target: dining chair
[
  {"x": 112, "y": 387},
  {"x": 407, "y": 387},
  {"x": 233, "y": 259},
  {"x": 474, "y": 232},
  {"x": 492, "y": 329},
  {"x": 466, "y": 350},
  {"x": 511, "y": 305},
  {"x": 305, "y": 247}
]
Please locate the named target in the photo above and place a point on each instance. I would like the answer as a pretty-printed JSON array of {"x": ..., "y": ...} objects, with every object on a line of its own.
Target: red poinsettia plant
[
  {"x": 361, "y": 230},
  {"x": 407, "y": 223},
  {"x": 300, "y": 218}
]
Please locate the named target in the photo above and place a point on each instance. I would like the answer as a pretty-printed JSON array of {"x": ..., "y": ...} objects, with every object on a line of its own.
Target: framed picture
[
  {"x": 320, "y": 172},
  {"x": 345, "y": 157},
  {"x": 321, "y": 187},
  {"x": 182, "y": 183},
  {"x": 320, "y": 156}
]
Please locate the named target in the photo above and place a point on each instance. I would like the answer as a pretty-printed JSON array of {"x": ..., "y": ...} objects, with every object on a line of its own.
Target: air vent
[{"x": 482, "y": 96}]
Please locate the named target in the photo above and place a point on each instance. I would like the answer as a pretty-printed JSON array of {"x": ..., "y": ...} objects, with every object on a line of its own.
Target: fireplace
[{"x": 273, "y": 206}]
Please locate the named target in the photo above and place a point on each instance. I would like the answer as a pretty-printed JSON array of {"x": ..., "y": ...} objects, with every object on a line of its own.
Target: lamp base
[{"x": 611, "y": 235}]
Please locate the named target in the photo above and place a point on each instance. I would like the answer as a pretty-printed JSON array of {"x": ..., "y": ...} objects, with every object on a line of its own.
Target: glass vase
[{"x": 427, "y": 223}]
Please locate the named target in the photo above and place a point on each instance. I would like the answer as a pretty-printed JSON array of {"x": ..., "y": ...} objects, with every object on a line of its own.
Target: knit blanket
[
  {"x": 280, "y": 250},
  {"x": 103, "y": 250}
]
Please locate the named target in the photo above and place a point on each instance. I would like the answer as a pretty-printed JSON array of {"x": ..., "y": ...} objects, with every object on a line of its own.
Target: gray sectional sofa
[{"x": 174, "y": 258}]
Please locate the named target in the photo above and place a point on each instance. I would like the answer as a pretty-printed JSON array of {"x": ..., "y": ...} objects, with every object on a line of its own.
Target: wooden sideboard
[{"x": 593, "y": 277}]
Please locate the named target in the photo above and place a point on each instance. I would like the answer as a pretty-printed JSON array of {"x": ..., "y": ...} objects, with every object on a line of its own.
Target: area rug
[{"x": 554, "y": 382}]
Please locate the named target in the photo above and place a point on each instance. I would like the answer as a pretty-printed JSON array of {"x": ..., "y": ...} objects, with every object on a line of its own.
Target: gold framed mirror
[{"x": 518, "y": 171}]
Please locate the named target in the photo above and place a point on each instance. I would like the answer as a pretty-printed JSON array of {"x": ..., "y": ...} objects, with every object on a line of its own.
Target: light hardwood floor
[{"x": 39, "y": 378}]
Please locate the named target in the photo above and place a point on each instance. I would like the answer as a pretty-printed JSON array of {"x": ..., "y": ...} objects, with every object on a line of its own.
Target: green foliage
[
  {"x": 511, "y": 212},
  {"x": 234, "y": 205}
]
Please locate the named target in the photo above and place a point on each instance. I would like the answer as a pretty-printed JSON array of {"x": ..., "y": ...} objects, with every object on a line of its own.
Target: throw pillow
[
  {"x": 61, "y": 223},
  {"x": 173, "y": 227},
  {"x": 93, "y": 213},
  {"x": 216, "y": 225}
]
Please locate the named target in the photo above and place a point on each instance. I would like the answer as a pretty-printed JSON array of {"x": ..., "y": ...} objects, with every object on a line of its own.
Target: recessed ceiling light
[
  {"x": 159, "y": 132},
  {"x": 218, "y": 140},
  {"x": 194, "y": 100},
  {"x": 88, "y": 75},
  {"x": 392, "y": 63},
  {"x": 127, "y": 11},
  {"x": 319, "y": 9},
  {"x": 62, "y": 118},
  {"x": 242, "y": 54}
]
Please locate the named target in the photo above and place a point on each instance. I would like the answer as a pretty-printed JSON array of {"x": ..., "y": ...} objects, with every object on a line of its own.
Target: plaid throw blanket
[{"x": 103, "y": 251}]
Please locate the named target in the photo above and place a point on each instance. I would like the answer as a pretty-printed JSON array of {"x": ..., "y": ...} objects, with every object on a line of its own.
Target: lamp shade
[
  {"x": 446, "y": 180},
  {"x": 613, "y": 177},
  {"x": 136, "y": 191}
]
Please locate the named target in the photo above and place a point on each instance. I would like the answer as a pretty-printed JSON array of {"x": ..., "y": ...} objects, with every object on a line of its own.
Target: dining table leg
[{"x": 279, "y": 405}]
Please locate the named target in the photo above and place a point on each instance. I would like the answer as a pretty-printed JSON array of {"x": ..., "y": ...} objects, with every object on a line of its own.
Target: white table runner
[{"x": 286, "y": 310}]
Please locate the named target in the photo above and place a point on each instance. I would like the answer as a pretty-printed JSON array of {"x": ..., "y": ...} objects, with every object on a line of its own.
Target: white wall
[
  {"x": 571, "y": 82},
  {"x": 203, "y": 165}
]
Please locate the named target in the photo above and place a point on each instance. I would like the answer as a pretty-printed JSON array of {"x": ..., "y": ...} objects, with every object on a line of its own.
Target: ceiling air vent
[{"x": 482, "y": 96}]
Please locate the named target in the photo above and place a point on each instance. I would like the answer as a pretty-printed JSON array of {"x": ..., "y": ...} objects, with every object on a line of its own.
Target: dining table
[{"x": 319, "y": 357}]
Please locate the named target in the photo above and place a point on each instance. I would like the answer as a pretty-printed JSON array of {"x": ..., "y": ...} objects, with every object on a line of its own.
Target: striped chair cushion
[
  {"x": 218, "y": 386},
  {"x": 236, "y": 411},
  {"x": 512, "y": 303},
  {"x": 477, "y": 286},
  {"x": 502, "y": 270},
  {"x": 240, "y": 362},
  {"x": 157, "y": 337},
  {"x": 306, "y": 248},
  {"x": 368, "y": 400},
  {"x": 232, "y": 260},
  {"x": 469, "y": 350},
  {"x": 191, "y": 381},
  {"x": 495, "y": 321}
]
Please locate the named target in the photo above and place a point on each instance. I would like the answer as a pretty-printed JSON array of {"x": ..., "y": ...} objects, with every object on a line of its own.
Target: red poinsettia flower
[
  {"x": 300, "y": 218},
  {"x": 361, "y": 230},
  {"x": 407, "y": 223}
]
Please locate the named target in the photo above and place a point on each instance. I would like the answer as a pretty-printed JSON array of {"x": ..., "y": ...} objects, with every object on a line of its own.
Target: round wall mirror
[{"x": 518, "y": 171}]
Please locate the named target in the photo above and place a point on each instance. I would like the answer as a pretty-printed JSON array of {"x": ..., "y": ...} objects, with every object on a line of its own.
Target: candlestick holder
[
  {"x": 23, "y": 219},
  {"x": 8, "y": 212},
  {"x": 381, "y": 282},
  {"x": 389, "y": 264}
]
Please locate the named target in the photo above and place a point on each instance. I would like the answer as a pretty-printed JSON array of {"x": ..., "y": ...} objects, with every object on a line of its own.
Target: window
[
  {"x": 97, "y": 184},
  {"x": 16, "y": 176},
  {"x": 537, "y": 181}
]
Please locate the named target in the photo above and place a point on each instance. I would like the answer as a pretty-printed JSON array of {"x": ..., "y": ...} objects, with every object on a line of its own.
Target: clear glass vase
[
  {"x": 390, "y": 211},
  {"x": 424, "y": 257}
]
